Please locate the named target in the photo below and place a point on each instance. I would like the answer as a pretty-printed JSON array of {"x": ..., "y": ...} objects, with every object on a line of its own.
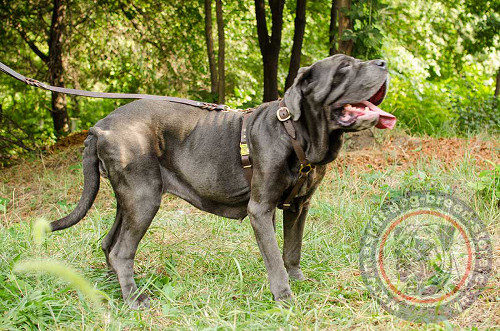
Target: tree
[
  {"x": 298, "y": 37},
  {"x": 484, "y": 15},
  {"x": 497, "y": 86},
  {"x": 345, "y": 45},
  {"x": 26, "y": 27},
  {"x": 333, "y": 29},
  {"x": 354, "y": 28},
  {"x": 221, "y": 52},
  {"x": 270, "y": 45},
  {"x": 217, "y": 72},
  {"x": 210, "y": 47},
  {"x": 340, "y": 22},
  {"x": 55, "y": 64}
]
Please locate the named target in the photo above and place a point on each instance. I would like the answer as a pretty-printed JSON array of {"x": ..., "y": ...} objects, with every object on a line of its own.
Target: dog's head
[
  {"x": 346, "y": 89},
  {"x": 338, "y": 94}
]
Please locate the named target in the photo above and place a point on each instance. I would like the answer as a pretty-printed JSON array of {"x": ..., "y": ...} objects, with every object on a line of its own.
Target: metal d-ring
[
  {"x": 306, "y": 168},
  {"x": 287, "y": 111}
]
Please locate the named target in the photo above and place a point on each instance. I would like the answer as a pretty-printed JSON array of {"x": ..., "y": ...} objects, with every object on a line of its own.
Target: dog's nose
[{"x": 380, "y": 63}]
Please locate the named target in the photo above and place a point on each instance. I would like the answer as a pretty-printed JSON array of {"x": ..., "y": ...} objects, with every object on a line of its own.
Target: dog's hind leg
[
  {"x": 138, "y": 189},
  {"x": 110, "y": 239}
]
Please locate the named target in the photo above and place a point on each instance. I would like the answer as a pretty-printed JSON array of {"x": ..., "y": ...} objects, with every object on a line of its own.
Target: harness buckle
[
  {"x": 244, "y": 149},
  {"x": 283, "y": 114}
]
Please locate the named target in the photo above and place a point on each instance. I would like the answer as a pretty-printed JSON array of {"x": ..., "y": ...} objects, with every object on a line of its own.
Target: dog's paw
[
  {"x": 285, "y": 301},
  {"x": 139, "y": 302},
  {"x": 296, "y": 274},
  {"x": 284, "y": 295}
]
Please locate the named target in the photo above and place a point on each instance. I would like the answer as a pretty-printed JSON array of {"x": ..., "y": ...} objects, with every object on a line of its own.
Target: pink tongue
[{"x": 386, "y": 120}]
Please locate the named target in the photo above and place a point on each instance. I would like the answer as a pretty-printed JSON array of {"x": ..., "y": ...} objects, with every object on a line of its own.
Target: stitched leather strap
[
  {"x": 284, "y": 116},
  {"x": 245, "y": 154},
  {"x": 36, "y": 83}
]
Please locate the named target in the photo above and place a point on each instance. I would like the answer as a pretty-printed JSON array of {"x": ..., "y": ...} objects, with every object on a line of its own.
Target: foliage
[
  {"x": 158, "y": 47},
  {"x": 478, "y": 114},
  {"x": 488, "y": 184},
  {"x": 483, "y": 17},
  {"x": 204, "y": 271},
  {"x": 433, "y": 79},
  {"x": 420, "y": 109},
  {"x": 367, "y": 16}
]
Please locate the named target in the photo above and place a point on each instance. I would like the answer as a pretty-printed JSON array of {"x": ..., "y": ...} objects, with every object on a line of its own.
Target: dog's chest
[{"x": 314, "y": 179}]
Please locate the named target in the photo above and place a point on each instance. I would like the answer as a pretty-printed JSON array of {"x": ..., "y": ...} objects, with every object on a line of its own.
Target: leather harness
[{"x": 283, "y": 115}]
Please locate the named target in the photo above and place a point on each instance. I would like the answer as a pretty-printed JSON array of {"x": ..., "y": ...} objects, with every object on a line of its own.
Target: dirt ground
[{"x": 403, "y": 151}]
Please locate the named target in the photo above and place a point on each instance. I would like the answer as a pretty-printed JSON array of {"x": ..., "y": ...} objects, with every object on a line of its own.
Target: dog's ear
[{"x": 294, "y": 95}]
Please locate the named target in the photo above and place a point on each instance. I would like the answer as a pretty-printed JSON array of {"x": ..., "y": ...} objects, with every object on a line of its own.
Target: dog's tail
[{"x": 91, "y": 183}]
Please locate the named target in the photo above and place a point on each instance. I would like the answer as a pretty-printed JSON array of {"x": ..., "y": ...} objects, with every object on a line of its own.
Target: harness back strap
[
  {"x": 36, "y": 83},
  {"x": 245, "y": 153}
]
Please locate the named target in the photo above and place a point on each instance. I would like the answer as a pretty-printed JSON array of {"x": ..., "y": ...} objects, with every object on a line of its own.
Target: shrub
[{"x": 478, "y": 114}]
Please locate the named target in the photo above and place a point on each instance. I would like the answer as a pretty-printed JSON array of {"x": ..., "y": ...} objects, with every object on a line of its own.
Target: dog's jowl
[{"x": 149, "y": 148}]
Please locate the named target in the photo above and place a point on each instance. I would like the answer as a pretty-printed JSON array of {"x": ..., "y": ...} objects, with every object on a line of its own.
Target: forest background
[{"x": 444, "y": 57}]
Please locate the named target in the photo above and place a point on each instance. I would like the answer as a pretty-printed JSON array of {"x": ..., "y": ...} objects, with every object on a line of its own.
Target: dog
[{"x": 149, "y": 148}]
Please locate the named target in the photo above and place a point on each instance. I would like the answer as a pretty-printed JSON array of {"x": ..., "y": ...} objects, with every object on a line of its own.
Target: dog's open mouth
[{"x": 368, "y": 110}]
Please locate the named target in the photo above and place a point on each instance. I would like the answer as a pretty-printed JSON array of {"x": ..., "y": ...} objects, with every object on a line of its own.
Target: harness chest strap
[{"x": 284, "y": 116}]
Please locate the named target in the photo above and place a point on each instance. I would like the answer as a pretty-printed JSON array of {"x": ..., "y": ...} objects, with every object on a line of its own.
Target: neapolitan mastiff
[{"x": 148, "y": 148}]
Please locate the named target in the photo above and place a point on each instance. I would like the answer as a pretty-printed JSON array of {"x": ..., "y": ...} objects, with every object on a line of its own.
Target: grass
[{"x": 204, "y": 271}]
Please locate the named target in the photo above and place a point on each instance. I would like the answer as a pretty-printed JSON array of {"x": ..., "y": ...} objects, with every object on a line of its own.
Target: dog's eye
[{"x": 343, "y": 67}]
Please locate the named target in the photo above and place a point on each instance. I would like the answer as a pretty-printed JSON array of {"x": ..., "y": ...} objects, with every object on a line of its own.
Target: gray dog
[{"x": 148, "y": 148}]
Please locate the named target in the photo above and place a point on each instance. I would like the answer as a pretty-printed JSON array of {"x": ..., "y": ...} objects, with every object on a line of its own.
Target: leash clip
[{"x": 283, "y": 114}]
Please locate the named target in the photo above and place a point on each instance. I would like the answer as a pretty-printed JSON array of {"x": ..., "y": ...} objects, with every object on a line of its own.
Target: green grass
[{"x": 205, "y": 272}]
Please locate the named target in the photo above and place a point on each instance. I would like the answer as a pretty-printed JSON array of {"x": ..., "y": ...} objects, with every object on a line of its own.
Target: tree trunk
[
  {"x": 59, "y": 112},
  {"x": 345, "y": 46},
  {"x": 221, "y": 53},
  {"x": 270, "y": 45},
  {"x": 210, "y": 46},
  {"x": 333, "y": 28},
  {"x": 497, "y": 87},
  {"x": 298, "y": 38}
]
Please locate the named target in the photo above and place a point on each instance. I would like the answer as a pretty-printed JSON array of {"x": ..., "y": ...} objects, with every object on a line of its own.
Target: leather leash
[
  {"x": 36, "y": 83},
  {"x": 283, "y": 115}
]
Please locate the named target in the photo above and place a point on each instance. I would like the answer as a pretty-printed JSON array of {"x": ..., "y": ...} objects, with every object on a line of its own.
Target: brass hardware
[
  {"x": 287, "y": 111},
  {"x": 244, "y": 149},
  {"x": 305, "y": 168}
]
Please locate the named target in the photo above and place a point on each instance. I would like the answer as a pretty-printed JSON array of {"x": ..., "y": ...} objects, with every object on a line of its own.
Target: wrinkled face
[{"x": 346, "y": 89}]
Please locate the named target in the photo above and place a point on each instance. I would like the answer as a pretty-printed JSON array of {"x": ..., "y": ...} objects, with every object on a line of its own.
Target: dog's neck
[{"x": 320, "y": 144}]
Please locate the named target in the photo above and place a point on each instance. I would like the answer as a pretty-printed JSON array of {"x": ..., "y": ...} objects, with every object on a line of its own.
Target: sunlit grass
[{"x": 203, "y": 271}]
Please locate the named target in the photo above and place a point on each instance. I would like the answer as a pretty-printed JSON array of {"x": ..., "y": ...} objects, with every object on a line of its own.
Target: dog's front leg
[
  {"x": 293, "y": 230},
  {"x": 261, "y": 217}
]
